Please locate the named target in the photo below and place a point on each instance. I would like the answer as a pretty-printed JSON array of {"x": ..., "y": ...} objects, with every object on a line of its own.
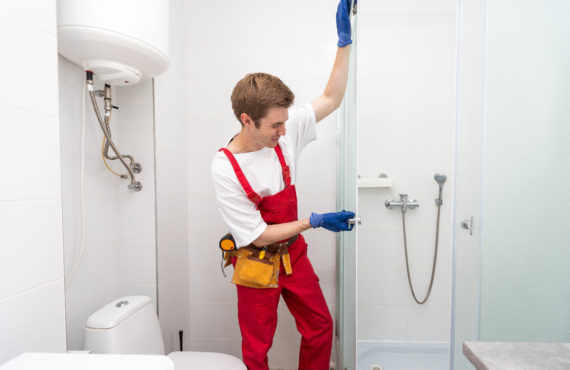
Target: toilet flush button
[{"x": 121, "y": 304}]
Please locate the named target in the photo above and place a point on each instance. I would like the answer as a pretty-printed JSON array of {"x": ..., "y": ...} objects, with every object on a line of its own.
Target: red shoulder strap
[
  {"x": 252, "y": 195},
  {"x": 284, "y": 167}
]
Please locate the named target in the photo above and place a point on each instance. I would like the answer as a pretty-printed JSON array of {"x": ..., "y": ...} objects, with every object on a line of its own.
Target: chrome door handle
[
  {"x": 467, "y": 224},
  {"x": 354, "y": 221}
]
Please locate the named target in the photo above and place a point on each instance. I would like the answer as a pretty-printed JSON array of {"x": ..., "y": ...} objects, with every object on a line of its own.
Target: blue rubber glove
[
  {"x": 343, "y": 22},
  {"x": 336, "y": 221}
]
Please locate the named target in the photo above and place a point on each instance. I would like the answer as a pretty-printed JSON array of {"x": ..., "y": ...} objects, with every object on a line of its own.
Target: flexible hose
[
  {"x": 434, "y": 255},
  {"x": 102, "y": 124},
  {"x": 104, "y": 148},
  {"x": 105, "y": 161}
]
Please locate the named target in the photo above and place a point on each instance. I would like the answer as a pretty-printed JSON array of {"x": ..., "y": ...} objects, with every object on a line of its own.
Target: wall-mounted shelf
[{"x": 375, "y": 182}]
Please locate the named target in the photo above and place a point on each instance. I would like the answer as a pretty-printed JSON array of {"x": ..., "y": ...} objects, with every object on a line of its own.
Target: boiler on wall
[{"x": 121, "y": 41}]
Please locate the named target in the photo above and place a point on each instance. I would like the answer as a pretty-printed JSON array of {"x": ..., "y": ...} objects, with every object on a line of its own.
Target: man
[{"x": 254, "y": 179}]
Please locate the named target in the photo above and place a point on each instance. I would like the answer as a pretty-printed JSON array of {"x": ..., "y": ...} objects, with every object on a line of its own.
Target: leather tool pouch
[{"x": 256, "y": 268}]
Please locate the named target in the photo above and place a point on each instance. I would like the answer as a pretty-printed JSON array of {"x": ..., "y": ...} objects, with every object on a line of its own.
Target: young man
[{"x": 254, "y": 179}]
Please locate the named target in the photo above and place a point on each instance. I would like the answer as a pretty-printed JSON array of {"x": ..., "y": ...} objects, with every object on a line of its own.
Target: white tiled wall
[
  {"x": 295, "y": 40},
  {"x": 406, "y": 94},
  {"x": 172, "y": 188},
  {"x": 119, "y": 257},
  {"x": 32, "y": 316}
]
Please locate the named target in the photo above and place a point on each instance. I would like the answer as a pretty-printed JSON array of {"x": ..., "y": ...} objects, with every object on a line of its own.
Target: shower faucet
[{"x": 404, "y": 203}]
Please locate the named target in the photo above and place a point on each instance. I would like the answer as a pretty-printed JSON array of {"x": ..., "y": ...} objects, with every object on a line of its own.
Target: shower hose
[{"x": 434, "y": 256}]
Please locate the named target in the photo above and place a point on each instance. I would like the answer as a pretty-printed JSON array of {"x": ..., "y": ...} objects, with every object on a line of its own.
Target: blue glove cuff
[
  {"x": 316, "y": 220},
  {"x": 342, "y": 43}
]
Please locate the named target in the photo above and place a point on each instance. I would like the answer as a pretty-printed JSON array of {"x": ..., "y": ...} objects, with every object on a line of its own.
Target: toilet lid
[{"x": 205, "y": 361}]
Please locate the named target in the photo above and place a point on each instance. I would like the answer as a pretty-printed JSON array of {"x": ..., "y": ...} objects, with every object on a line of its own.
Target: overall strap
[
  {"x": 285, "y": 168},
  {"x": 252, "y": 195}
]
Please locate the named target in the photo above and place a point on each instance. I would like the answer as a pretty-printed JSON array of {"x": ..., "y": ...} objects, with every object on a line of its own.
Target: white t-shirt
[{"x": 263, "y": 172}]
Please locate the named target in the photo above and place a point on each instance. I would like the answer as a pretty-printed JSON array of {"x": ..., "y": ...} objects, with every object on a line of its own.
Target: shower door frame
[
  {"x": 468, "y": 185},
  {"x": 347, "y": 198}
]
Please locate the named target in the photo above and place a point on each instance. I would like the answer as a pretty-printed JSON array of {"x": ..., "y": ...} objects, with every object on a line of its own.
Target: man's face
[{"x": 271, "y": 127}]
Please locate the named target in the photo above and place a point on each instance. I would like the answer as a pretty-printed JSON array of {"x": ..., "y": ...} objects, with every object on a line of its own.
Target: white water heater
[{"x": 121, "y": 41}]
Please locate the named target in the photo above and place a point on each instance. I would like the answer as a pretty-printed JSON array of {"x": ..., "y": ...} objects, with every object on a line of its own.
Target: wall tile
[
  {"x": 137, "y": 261},
  {"x": 286, "y": 327},
  {"x": 172, "y": 212},
  {"x": 204, "y": 249},
  {"x": 322, "y": 248},
  {"x": 34, "y": 138},
  {"x": 319, "y": 203},
  {"x": 383, "y": 287},
  {"x": 209, "y": 285},
  {"x": 31, "y": 252},
  {"x": 407, "y": 5},
  {"x": 214, "y": 320},
  {"x": 382, "y": 323},
  {"x": 25, "y": 328},
  {"x": 172, "y": 254},
  {"x": 103, "y": 223},
  {"x": 32, "y": 45},
  {"x": 171, "y": 166},
  {"x": 284, "y": 354},
  {"x": 417, "y": 43},
  {"x": 429, "y": 323},
  {"x": 380, "y": 249},
  {"x": 174, "y": 295},
  {"x": 39, "y": 12},
  {"x": 135, "y": 128},
  {"x": 326, "y": 143},
  {"x": 203, "y": 214},
  {"x": 316, "y": 174},
  {"x": 97, "y": 272},
  {"x": 137, "y": 216},
  {"x": 327, "y": 279}
]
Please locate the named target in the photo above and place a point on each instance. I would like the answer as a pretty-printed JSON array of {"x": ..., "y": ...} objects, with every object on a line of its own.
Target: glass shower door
[
  {"x": 345, "y": 334},
  {"x": 518, "y": 276}
]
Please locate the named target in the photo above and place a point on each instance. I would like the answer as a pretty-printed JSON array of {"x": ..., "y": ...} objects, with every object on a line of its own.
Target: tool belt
[{"x": 257, "y": 267}]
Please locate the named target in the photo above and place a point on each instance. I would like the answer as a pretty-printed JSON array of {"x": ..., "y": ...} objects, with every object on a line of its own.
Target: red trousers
[{"x": 257, "y": 313}]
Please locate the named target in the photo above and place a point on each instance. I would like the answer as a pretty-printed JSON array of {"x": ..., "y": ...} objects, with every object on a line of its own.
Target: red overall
[{"x": 257, "y": 308}]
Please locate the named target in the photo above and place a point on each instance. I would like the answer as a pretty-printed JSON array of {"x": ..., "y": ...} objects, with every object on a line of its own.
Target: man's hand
[
  {"x": 336, "y": 221},
  {"x": 343, "y": 22}
]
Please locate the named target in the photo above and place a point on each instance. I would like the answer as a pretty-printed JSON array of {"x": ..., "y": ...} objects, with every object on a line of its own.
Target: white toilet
[{"x": 129, "y": 325}]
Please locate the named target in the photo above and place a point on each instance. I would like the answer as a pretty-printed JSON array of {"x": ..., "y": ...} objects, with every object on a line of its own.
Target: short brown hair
[{"x": 256, "y": 93}]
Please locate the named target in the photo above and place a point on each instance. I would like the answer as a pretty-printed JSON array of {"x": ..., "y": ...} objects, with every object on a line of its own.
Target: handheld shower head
[{"x": 440, "y": 178}]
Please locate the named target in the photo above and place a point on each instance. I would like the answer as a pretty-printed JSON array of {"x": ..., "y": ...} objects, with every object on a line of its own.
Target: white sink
[{"x": 68, "y": 361}]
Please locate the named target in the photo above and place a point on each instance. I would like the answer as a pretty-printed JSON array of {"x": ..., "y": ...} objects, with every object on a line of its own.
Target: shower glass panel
[
  {"x": 524, "y": 254},
  {"x": 525, "y": 284},
  {"x": 345, "y": 335}
]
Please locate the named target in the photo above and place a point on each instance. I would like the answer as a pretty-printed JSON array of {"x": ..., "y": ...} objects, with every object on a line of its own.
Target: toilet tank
[{"x": 128, "y": 325}]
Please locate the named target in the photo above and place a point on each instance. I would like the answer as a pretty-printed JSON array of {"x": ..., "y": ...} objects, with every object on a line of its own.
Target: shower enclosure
[{"x": 475, "y": 90}]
